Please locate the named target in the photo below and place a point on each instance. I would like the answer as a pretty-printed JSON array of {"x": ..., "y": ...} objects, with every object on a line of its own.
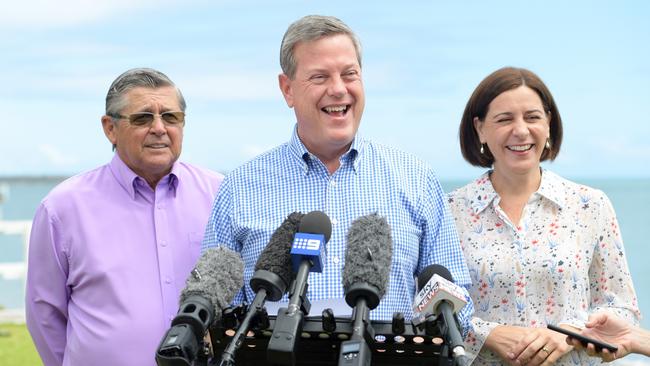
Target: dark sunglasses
[{"x": 145, "y": 119}]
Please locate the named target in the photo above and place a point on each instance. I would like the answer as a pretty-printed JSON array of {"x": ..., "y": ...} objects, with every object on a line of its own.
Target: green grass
[{"x": 16, "y": 347}]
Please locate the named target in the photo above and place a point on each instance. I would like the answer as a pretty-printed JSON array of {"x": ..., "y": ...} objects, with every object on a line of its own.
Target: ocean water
[{"x": 630, "y": 197}]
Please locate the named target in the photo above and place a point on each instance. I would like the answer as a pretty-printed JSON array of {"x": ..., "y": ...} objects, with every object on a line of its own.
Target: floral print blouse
[{"x": 563, "y": 261}]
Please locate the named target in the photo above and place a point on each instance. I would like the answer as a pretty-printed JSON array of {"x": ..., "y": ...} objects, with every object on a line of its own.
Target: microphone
[
  {"x": 272, "y": 270},
  {"x": 308, "y": 246},
  {"x": 439, "y": 296},
  {"x": 365, "y": 277},
  {"x": 307, "y": 253},
  {"x": 211, "y": 286},
  {"x": 270, "y": 280}
]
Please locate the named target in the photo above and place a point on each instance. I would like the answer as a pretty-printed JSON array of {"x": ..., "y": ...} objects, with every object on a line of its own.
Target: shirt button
[
  {"x": 334, "y": 221},
  {"x": 333, "y": 183},
  {"x": 168, "y": 280},
  {"x": 335, "y": 260},
  {"x": 163, "y": 243}
]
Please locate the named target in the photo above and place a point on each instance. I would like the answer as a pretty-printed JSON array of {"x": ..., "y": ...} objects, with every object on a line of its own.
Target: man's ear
[
  {"x": 286, "y": 88},
  {"x": 109, "y": 129}
]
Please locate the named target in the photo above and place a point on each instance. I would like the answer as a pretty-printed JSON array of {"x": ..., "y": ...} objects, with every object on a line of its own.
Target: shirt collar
[
  {"x": 131, "y": 182},
  {"x": 552, "y": 188},
  {"x": 300, "y": 153},
  {"x": 483, "y": 192}
]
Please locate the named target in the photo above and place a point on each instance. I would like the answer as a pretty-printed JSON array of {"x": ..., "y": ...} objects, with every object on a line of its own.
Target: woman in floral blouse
[{"x": 540, "y": 249}]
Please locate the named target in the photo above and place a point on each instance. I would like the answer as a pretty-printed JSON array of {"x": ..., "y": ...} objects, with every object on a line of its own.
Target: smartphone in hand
[{"x": 584, "y": 340}]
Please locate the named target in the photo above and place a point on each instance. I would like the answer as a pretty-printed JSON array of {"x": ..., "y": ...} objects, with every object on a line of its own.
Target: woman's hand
[
  {"x": 503, "y": 338},
  {"x": 540, "y": 346}
]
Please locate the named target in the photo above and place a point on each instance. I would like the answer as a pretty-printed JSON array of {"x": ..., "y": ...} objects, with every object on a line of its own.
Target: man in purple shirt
[{"x": 111, "y": 248}]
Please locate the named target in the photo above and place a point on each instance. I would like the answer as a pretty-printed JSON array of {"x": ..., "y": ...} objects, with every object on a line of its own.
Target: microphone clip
[{"x": 305, "y": 304}]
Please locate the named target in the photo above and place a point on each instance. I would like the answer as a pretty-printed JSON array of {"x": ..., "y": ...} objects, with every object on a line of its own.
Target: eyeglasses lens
[{"x": 147, "y": 118}]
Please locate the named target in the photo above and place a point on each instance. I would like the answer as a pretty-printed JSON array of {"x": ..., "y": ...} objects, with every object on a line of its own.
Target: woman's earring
[
  {"x": 482, "y": 150},
  {"x": 548, "y": 143}
]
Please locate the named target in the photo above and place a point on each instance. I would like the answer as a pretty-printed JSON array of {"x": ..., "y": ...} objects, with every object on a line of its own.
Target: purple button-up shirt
[{"x": 108, "y": 258}]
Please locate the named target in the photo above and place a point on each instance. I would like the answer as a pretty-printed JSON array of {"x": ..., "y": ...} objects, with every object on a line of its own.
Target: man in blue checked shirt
[{"x": 326, "y": 166}]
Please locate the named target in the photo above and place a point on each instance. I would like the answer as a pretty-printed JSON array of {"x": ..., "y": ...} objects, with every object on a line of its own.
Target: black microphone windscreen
[
  {"x": 369, "y": 253},
  {"x": 316, "y": 222},
  {"x": 276, "y": 257},
  {"x": 432, "y": 269},
  {"x": 217, "y": 276}
]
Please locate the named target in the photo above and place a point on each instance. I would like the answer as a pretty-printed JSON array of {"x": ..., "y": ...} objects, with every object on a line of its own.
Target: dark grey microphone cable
[
  {"x": 270, "y": 280},
  {"x": 210, "y": 287},
  {"x": 365, "y": 277}
]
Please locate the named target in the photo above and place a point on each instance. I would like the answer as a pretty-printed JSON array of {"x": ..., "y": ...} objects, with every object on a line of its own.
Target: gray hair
[
  {"x": 134, "y": 78},
  {"x": 310, "y": 28}
]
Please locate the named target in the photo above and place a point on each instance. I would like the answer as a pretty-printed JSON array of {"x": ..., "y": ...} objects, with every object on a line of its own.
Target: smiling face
[
  {"x": 515, "y": 130},
  {"x": 150, "y": 151},
  {"x": 326, "y": 94}
]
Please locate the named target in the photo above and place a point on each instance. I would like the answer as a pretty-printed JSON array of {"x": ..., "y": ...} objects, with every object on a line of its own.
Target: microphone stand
[
  {"x": 356, "y": 352},
  {"x": 298, "y": 300},
  {"x": 267, "y": 285},
  {"x": 452, "y": 353},
  {"x": 289, "y": 322},
  {"x": 228, "y": 355}
]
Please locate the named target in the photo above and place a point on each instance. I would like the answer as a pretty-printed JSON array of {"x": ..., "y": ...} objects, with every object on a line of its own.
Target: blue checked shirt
[{"x": 255, "y": 198}]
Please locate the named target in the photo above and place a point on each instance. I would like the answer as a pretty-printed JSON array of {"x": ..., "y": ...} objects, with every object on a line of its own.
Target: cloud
[
  {"x": 55, "y": 157},
  {"x": 13, "y": 271},
  {"x": 622, "y": 148},
  {"x": 244, "y": 85},
  {"x": 68, "y": 48},
  {"x": 74, "y": 83},
  {"x": 251, "y": 151},
  {"x": 65, "y": 13},
  {"x": 42, "y": 83}
]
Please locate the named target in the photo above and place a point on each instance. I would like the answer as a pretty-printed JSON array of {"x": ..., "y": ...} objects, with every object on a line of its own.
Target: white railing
[{"x": 15, "y": 270}]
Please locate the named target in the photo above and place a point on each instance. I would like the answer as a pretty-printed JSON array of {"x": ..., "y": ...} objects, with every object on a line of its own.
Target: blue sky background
[{"x": 421, "y": 62}]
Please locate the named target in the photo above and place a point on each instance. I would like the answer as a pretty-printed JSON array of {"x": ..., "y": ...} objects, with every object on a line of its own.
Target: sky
[{"x": 421, "y": 62}]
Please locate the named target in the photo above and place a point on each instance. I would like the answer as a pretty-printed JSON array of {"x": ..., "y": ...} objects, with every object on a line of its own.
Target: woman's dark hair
[{"x": 493, "y": 85}]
